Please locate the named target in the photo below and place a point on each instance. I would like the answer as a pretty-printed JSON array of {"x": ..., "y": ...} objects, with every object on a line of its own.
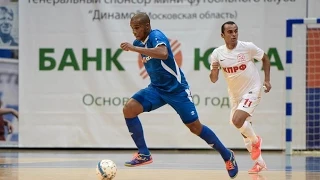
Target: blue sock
[
  {"x": 210, "y": 137},
  {"x": 136, "y": 131}
]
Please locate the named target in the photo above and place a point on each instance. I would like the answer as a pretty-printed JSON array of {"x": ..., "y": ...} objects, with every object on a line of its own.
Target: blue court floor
[{"x": 167, "y": 165}]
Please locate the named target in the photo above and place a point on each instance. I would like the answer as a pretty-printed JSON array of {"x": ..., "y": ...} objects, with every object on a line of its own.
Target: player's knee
[
  {"x": 237, "y": 121},
  {"x": 195, "y": 127},
  {"x": 132, "y": 109},
  {"x": 239, "y": 117}
]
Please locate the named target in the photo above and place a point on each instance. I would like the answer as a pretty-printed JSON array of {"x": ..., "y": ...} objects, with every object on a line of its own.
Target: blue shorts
[{"x": 182, "y": 103}]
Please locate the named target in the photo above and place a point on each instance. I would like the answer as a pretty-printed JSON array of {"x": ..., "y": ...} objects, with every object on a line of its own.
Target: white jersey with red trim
[{"x": 238, "y": 67}]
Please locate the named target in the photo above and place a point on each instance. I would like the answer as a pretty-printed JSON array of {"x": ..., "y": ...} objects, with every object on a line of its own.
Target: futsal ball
[{"x": 106, "y": 170}]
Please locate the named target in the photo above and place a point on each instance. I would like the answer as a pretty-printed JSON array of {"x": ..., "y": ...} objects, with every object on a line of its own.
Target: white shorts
[{"x": 248, "y": 102}]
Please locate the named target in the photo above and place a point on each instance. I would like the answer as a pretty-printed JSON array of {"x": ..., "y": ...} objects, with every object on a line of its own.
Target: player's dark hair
[
  {"x": 228, "y": 22},
  {"x": 142, "y": 17}
]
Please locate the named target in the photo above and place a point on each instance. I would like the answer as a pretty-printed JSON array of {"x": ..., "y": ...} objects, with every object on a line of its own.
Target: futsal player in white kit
[{"x": 236, "y": 60}]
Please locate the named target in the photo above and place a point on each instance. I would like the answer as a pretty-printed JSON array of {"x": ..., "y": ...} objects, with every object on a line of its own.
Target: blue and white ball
[{"x": 106, "y": 170}]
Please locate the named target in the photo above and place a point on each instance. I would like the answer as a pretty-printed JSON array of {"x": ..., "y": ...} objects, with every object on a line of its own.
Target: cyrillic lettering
[
  {"x": 215, "y": 101},
  {"x": 68, "y": 54},
  {"x": 64, "y": 1},
  {"x": 229, "y": 69},
  {"x": 105, "y": 101},
  {"x": 116, "y": 101},
  {"x": 96, "y": 15},
  {"x": 231, "y": 16},
  {"x": 126, "y": 15},
  {"x": 145, "y": 2},
  {"x": 96, "y": 59},
  {"x": 172, "y": 16},
  {"x": 46, "y": 63},
  {"x": 205, "y": 15},
  {"x": 88, "y": 99},
  {"x": 117, "y": 15},
  {"x": 196, "y": 99},
  {"x": 204, "y": 58},
  {"x": 206, "y": 100},
  {"x": 97, "y": 101},
  {"x": 225, "y": 102},
  {"x": 113, "y": 59},
  {"x": 217, "y": 15},
  {"x": 235, "y": 68},
  {"x": 46, "y": 1},
  {"x": 107, "y": 15},
  {"x": 54, "y": 2},
  {"x": 167, "y": 1},
  {"x": 242, "y": 67},
  {"x": 273, "y": 54},
  {"x": 194, "y": 2}
]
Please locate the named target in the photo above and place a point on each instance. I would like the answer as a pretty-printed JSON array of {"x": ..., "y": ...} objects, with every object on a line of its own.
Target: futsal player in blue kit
[{"x": 168, "y": 86}]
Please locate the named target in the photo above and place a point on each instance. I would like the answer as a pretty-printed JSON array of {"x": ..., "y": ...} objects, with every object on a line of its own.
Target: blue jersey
[{"x": 165, "y": 75}]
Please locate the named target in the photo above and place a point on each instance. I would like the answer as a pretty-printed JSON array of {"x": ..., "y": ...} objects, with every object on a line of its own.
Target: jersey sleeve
[
  {"x": 157, "y": 39},
  {"x": 137, "y": 43},
  {"x": 213, "y": 58},
  {"x": 255, "y": 51}
]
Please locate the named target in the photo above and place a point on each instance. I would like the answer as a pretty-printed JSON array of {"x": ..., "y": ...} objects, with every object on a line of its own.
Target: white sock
[
  {"x": 248, "y": 144},
  {"x": 260, "y": 161},
  {"x": 247, "y": 130}
]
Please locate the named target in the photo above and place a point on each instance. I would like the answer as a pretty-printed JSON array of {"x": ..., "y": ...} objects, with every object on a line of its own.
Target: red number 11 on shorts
[{"x": 247, "y": 102}]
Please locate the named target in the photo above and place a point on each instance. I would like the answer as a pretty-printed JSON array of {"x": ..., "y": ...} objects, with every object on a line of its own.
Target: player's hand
[
  {"x": 126, "y": 46},
  {"x": 266, "y": 86},
  {"x": 215, "y": 65},
  {"x": 10, "y": 128}
]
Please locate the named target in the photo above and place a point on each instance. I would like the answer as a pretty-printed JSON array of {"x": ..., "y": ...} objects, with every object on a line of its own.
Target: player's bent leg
[
  {"x": 247, "y": 143},
  {"x": 145, "y": 100},
  {"x": 239, "y": 120},
  {"x": 259, "y": 163},
  {"x": 212, "y": 140},
  {"x": 210, "y": 137},
  {"x": 131, "y": 110},
  {"x": 184, "y": 106}
]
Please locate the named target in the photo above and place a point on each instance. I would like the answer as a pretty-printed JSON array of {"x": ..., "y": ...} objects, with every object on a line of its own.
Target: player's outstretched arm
[
  {"x": 266, "y": 69},
  {"x": 159, "y": 52},
  {"x": 8, "y": 111},
  {"x": 214, "y": 74}
]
